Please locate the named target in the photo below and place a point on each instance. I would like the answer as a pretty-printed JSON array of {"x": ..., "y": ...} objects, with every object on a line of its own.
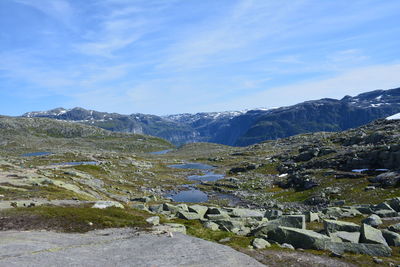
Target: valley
[{"x": 54, "y": 172}]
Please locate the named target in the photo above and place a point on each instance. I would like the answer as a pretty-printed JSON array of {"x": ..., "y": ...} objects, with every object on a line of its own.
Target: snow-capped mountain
[{"x": 244, "y": 127}]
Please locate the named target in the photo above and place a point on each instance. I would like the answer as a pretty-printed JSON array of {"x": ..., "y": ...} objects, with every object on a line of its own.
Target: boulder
[
  {"x": 214, "y": 210},
  {"x": 107, "y": 204},
  {"x": 332, "y": 226},
  {"x": 364, "y": 208},
  {"x": 368, "y": 249},
  {"x": 201, "y": 210},
  {"x": 216, "y": 217},
  {"x": 287, "y": 246},
  {"x": 312, "y": 217},
  {"x": 386, "y": 213},
  {"x": 230, "y": 225},
  {"x": 273, "y": 214},
  {"x": 139, "y": 206},
  {"x": 395, "y": 227},
  {"x": 299, "y": 238},
  {"x": 371, "y": 235},
  {"x": 392, "y": 238},
  {"x": 394, "y": 203},
  {"x": 174, "y": 209},
  {"x": 373, "y": 220},
  {"x": 293, "y": 221},
  {"x": 386, "y": 179},
  {"x": 246, "y": 213},
  {"x": 188, "y": 215},
  {"x": 352, "y": 237},
  {"x": 145, "y": 199},
  {"x": 260, "y": 243},
  {"x": 155, "y": 220},
  {"x": 156, "y": 208},
  {"x": 211, "y": 225}
]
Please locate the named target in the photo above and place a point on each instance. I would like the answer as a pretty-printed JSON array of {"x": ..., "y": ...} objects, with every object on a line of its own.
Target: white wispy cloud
[
  {"x": 351, "y": 82},
  {"x": 59, "y": 10}
]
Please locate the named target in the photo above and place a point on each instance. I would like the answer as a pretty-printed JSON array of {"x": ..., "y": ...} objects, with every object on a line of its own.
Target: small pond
[
  {"x": 192, "y": 195},
  {"x": 34, "y": 154},
  {"x": 77, "y": 163},
  {"x": 365, "y": 170},
  {"x": 209, "y": 177},
  {"x": 194, "y": 166}
]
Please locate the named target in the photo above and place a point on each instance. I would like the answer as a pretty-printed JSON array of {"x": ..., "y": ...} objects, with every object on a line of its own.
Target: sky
[{"x": 187, "y": 56}]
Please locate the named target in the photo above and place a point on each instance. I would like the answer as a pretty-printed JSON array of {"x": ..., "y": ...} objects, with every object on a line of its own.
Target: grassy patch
[{"x": 71, "y": 219}]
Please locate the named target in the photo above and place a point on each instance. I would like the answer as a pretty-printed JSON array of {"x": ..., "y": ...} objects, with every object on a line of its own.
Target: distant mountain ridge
[{"x": 240, "y": 128}]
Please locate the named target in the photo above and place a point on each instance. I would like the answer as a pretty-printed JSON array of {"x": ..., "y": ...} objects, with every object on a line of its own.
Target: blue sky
[{"x": 175, "y": 56}]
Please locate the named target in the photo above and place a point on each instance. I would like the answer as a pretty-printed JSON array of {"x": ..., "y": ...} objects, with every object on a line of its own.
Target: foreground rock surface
[{"x": 114, "y": 247}]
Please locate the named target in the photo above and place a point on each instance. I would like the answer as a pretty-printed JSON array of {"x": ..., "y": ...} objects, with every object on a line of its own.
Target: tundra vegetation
[{"x": 321, "y": 194}]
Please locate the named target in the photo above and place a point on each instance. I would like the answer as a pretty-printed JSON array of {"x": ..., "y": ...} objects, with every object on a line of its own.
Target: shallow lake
[{"x": 34, "y": 154}]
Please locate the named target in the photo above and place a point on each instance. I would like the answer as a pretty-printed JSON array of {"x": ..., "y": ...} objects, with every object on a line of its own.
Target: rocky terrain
[
  {"x": 324, "y": 198},
  {"x": 241, "y": 128}
]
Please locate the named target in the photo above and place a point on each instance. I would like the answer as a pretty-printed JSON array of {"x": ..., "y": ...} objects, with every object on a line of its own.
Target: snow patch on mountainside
[{"x": 394, "y": 117}]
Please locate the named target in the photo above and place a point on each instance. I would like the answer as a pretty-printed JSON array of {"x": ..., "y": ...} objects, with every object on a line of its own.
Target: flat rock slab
[{"x": 114, "y": 247}]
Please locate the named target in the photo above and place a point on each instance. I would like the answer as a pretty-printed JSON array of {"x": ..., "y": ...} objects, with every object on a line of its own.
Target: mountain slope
[
  {"x": 322, "y": 115},
  {"x": 244, "y": 128},
  {"x": 50, "y": 134}
]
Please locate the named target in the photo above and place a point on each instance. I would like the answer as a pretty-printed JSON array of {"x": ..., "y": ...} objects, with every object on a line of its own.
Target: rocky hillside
[
  {"x": 51, "y": 134},
  {"x": 245, "y": 128}
]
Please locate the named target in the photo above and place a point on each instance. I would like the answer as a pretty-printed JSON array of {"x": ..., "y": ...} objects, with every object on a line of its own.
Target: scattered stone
[
  {"x": 107, "y": 204},
  {"x": 286, "y": 245},
  {"x": 373, "y": 220},
  {"x": 246, "y": 213},
  {"x": 332, "y": 226},
  {"x": 260, "y": 243},
  {"x": 292, "y": 221},
  {"x": 341, "y": 236},
  {"x": 367, "y": 249},
  {"x": 188, "y": 215},
  {"x": 170, "y": 227},
  {"x": 386, "y": 213},
  {"x": 155, "y": 220},
  {"x": 145, "y": 199},
  {"x": 377, "y": 261},
  {"x": 156, "y": 208},
  {"x": 369, "y": 188},
  {"x": 299, "y": 238},
  {"x": 394, "y": 203},
  {"x": 395, "y": 227},
  {"x": 273, "y": 214},
  {"x": 139, "y": 206},
  {"x": 224, "y": 240},
  {"x": 312, "y": 217},
  {"x": 371, "y": 235},
  {"x": 392, "y": 238},
  {"x": 211, "y": 225},
  {"x": 201, "y": 210}
]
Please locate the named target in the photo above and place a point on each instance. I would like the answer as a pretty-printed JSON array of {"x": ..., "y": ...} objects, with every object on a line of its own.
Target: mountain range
[{"x": 241, "y": 128}]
